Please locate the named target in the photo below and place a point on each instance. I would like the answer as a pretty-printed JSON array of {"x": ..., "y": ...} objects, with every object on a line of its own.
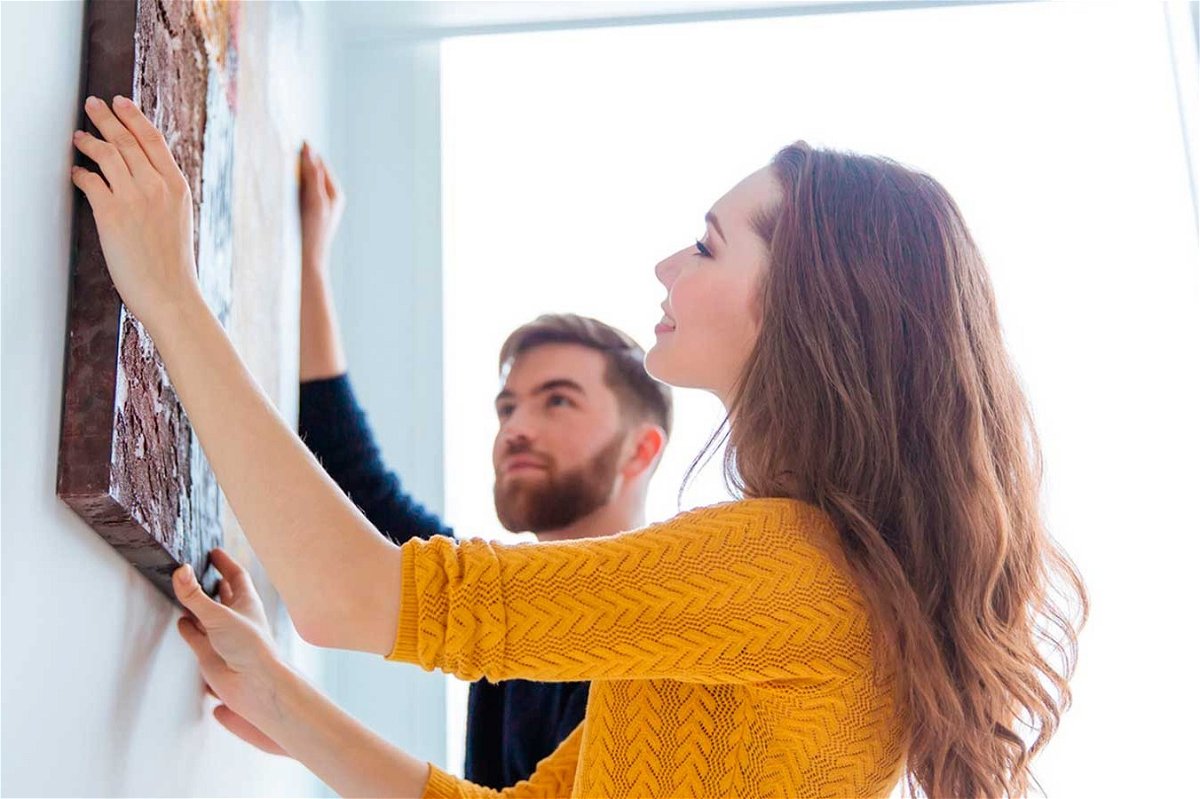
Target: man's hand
[{"x": 321, "y": 206}]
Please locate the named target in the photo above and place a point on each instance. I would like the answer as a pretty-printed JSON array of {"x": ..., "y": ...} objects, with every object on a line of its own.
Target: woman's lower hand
[
  {"x": 144, "y": 211},
  {"x": 233, "y": 646}
]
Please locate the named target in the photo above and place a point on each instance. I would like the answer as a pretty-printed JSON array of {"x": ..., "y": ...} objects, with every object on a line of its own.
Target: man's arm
[
  {"x": 321, "y": 205},
  {"x": 332, "y": 424},
  {"x": 336, "y": 431}
]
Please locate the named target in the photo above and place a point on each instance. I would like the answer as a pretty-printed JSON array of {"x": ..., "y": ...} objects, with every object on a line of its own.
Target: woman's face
[{"x": 711, "y": 314}]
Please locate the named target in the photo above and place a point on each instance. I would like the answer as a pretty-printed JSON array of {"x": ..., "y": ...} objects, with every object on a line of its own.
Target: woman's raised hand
[{"x": 143, "y": 209}]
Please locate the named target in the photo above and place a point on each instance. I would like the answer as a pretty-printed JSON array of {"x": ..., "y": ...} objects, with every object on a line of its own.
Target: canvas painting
[{"x": 129, "y": 462}]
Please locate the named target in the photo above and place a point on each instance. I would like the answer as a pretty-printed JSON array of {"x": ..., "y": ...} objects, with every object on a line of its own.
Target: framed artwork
[{"x": 129, "y": 463}]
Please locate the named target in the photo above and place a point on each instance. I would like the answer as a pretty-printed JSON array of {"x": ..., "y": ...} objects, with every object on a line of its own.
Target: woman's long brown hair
[{"x": 880, "y": 390}]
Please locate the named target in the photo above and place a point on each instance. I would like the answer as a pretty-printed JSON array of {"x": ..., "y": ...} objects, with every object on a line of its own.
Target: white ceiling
[{"x": 358, "y": 20}]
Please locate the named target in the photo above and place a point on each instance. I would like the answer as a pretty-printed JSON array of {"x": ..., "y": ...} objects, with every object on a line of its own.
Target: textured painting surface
[
  {"x": 129, "y": 462},
  {"x": 274, "y": 87}
]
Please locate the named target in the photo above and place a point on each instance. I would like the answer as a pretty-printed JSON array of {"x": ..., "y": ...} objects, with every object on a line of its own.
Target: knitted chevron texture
[{"x": 729, "y": 649}]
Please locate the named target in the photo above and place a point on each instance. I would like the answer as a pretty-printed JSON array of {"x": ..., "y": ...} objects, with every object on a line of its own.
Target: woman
[{"x": 870, "y": 612}]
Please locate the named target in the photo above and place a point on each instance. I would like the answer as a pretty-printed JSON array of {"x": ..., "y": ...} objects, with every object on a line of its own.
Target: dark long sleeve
[{"x": 336, "y": 430}]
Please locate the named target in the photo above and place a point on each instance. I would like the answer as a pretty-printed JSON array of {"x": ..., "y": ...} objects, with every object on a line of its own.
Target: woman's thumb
[{"x": 192, "y": 596}]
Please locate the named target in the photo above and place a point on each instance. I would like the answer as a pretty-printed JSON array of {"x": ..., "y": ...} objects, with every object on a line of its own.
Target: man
[{"x": 581, "y": 429}]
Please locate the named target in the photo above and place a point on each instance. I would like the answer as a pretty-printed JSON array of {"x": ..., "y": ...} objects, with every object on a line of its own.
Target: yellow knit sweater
[{"x": 729, "y": 650}]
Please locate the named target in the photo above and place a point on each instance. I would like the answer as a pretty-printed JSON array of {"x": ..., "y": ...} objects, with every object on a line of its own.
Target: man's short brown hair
[{"x": 639, "y": 395}]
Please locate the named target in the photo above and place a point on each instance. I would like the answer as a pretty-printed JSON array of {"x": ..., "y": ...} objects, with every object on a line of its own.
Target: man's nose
[{"x": 517, "y": 431}]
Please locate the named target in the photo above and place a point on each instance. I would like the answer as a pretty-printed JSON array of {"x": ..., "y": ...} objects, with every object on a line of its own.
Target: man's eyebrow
[
  {"x": 559, "y": 382},
  {"x": 711, "y": 218},
  {"x": 550, "y": 385}
]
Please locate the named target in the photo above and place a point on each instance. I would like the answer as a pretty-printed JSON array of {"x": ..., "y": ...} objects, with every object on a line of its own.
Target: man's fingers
[
  {"x": 98, "y": 193},
  {"x": 319, "y": 175},
  {"x": 330, "y": 183},
  {"x": 137, "y": 166},
  {"x": 306, "y": 162},
  {"x": 153, "y": 143}
]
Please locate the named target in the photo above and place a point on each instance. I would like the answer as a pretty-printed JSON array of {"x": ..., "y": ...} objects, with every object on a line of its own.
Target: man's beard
[{"x": 558, "y": 500}]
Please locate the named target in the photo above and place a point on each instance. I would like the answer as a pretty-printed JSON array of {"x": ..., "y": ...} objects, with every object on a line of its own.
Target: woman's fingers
[
  {"x": 210, "y": 613},
  {"x": 106, "y": 156},
  {"x": 98, "y": 193},
  {"x": 210, "y": 661},
  {"x": 137, "y": 167},
  {"x": 243, "y": 729},
  {"x": 232, "y": 572},
  {"x": 152, "y": 141}
]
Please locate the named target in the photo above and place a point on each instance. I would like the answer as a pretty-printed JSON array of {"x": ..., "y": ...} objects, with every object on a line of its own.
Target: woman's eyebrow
[{"x": 711, "y": 218}]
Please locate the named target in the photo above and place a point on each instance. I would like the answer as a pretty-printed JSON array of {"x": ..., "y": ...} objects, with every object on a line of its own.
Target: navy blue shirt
[{"x": 511, "y": 725}]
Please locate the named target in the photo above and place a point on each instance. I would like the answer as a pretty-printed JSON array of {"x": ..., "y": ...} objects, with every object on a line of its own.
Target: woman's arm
[
  {"x": 338, "y": 576},
  {"x": 749, "y": 591},
  {"x": 273, "y": 707},
  {"x": 347, "y": 756}
]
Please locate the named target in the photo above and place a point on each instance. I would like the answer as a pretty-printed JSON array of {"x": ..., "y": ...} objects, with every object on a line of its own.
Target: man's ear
[{"x": 649, "y": 440}]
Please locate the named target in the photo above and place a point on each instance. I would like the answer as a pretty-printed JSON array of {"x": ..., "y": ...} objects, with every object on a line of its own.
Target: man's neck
[{"x": 610, "y": 519}]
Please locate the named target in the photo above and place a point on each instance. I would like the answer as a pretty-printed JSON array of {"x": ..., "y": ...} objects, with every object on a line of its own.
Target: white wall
[
  {"x": 100, "y": 695},
  {"x": 384, "y": 149}
]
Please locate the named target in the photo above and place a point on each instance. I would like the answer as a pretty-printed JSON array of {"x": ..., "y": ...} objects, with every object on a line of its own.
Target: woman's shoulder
[
  {"x": 782, "y": 533},
  {"x": 780, "y": 510},
  {"x": 788, "y": 520}
]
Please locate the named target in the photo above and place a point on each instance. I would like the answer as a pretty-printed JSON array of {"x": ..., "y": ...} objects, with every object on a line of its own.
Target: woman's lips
[{"x": 662, "y": 327}]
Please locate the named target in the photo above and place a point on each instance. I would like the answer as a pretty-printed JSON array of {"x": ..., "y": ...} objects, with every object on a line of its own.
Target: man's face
[{"x": 560, "y": 441}]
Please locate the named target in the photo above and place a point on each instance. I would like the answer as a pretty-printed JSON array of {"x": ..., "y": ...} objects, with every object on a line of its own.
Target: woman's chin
[{"x": 662, "y": 366}]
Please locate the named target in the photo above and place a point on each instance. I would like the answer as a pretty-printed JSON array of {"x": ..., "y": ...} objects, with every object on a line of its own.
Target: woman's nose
[{"x": 666, "y": 270}]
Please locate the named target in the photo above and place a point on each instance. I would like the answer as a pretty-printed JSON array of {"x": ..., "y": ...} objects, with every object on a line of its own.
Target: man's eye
[
  {"x": 504, "y": 411},
  {"x": 557, "y": 400},
  {"x": 702, "y": 250}
]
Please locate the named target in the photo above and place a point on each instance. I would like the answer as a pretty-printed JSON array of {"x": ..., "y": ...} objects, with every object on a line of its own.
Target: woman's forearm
[
  {"x": 347, "y": 756},
  {"x": 339, "y": 578}
]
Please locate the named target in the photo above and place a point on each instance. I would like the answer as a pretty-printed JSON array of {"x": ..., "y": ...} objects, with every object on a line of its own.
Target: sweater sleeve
[
  {"x": 336, "y": 430},
  {"x": 736, "y": 593},
  {"x": 553, "y": 777}
]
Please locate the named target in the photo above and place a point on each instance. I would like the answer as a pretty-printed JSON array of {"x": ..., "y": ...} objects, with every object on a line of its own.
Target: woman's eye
[{"x": 702, "y": 250}]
